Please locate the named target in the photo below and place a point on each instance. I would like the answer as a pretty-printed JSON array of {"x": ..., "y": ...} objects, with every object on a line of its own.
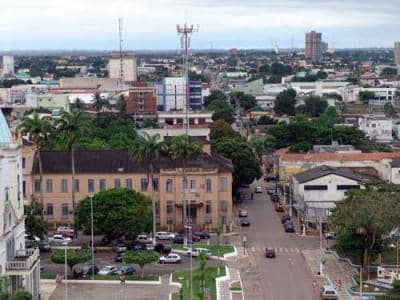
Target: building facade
[
  {"x": 142, "y": 102},
  {"x": 129, "y": 72},
  {"x": 313, "y": 43},
  {"x": 208, "y": 189},
  {"x": 377, "y": 128},
  {"x": 397, "y": 53},
  {"x": 8, "y": 65},
  {"x": 18, "y": 265}
]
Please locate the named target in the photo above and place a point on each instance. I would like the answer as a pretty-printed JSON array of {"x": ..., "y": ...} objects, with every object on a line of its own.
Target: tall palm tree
[
  {"x": 182, "y": 149},
  {"x": 149, "y": 148},
  {"x": 72, "y": 126},
  {"x": 38, "y": 131},
  {"x": 79, "y": 104},
  {"x": 99, "y": 102}
]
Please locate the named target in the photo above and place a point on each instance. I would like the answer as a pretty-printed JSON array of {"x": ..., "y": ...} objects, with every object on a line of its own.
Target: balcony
[{"x": 24, "y": 261}]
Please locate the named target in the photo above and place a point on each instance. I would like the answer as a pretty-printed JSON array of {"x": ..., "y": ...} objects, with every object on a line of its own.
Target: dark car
[
  {"x": 202, "y": 234},
  {"x": 268, "y": 178},
  {"x": 284, "y": 218},
  {"x": 271, "y": 190},
  {"x": 119, "y": 257},
  {"x": 279, "y": 207},
  {"x": 289, "y": 226},
  {"x": 135, "y": 246},
  {"x": 162, "y": 249},
  {"x": 245, "y": 222},
  {"x": 86, "y": 270},
  {"x": 128, "y": 270},
  {"x": 44, "y": 247},
  {"x": 275, "y": 197},
  {"x": 269, "y": 252},
  {"x": 179, "y": 239}
]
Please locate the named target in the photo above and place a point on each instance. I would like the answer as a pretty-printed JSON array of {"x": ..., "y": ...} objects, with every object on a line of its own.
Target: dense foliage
[
  {"x": 217, "y": 102},
  {"x": 74, "y": 257},
  {"x": 285, "y": 103},
  {"x": 140, "y": 258},
  {"x": 34, "y": 222}
]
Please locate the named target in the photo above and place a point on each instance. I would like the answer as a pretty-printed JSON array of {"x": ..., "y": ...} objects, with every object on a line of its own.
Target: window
[
  {"x": 169, "y": 186},
  {"x": 193, "y": 185},
  {"x": 117, "y": 183},
  {"x": 223, "y": 184},
  {"x": 24, "y": 188},
  {"x": 76, "y": 185},
  {"x": 347, "y": 187},
  {"x": 224, "y": 206},
  {"x": 18, "y": 189},
  {"x": 129, "y": 184},
  {"x": 208, "y": 185},
  {"x": 170, "y": 207},
  {"x": 90, "y": 184},
  {"x": 223, "y": 220},
  {"x": 170, "y": 221},
  {"x": 37, "y": 186},
  {"x": 64, "y": 186},
  {"x": 315, "y": 187},
  {"x": 23, "y": 163},
  {"x": 155, "y": 184},
  {"x": 208, "y": 207},
  {"x": 64, "y": 210},
  {"x": 49, "y": 186},
  {"x": 49, "y": 209},
  {"x": 184, "y": 184},
  {"x": 102, "y": 184},
  {"x": 143, "y": 184}
]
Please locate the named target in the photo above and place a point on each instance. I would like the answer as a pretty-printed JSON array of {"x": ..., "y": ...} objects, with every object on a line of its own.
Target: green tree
[
  {"x": 221, "y": 129},
  {"x": 245, "y": 101},
  {"x": 315, "y": 106},
  {"x": 148, "y": 149},
  {"x": 300, "y": 147},
  {"x": 121, "y": 104},
  {"x": 329, "y": 118},
  {"x": 270, "y": 143},
  {"x": 21, "y": 295},
  {"x": 38, "y": 131},
  {"x": 74, "y": 257},
  {"x": 99, "y": 102},
  {"x": 389, "y": 109},
  {"x": 72, "y": 126},
  {"x": 285, "y": 103},
  {"x": 392, "y": 294},
  {"x": 116, "y": 213},
  {"x": 266, "y": 120},
  {"x": 202, "y": 260},
  {"x": 366, "y": 95},
  {"x": 222, "y": 110},
  {"x": 258, "y": 146},
  {"x": 34, "y": 222},
  {"x": 149, "y": 123},
  {"x": 214, "y": 95},
  {"x": 79, "y": 104},
  {"x": 140, "y": 258}
]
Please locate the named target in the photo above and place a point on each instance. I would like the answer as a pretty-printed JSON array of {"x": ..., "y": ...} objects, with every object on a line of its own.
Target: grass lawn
[
  {"x": 184, "y": 278},
  {"x": 216, "y": 250}
]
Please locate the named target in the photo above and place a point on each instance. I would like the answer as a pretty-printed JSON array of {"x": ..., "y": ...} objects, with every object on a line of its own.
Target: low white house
[
  {"x": 316, "y": 191},
  {"x": 378, "y": 128}
]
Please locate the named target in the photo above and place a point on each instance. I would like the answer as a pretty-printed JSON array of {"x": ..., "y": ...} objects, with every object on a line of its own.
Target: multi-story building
[
  {"x": 208, "y": 189},
  {"x": 129, "y": 72},
  {"x": 142, "y": 102},
  {"x": 313, "y": 49},
  {"x": 19, "y": 265},
  {"x": 8, "y": 65},
  {"x": 397, "y": 53},
  {"x": 377, "y": 128}
]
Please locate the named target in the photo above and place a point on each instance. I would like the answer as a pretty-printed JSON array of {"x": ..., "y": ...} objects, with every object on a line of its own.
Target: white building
[
  {"x": 378, "y": 128},
  {"x": 171, "y": 94},
  {"x": 383, "y": 95},
  {"x": 129, "y": 70},
  {"x": 8, "y": 65},
  {"x": 19, "y": 265}
]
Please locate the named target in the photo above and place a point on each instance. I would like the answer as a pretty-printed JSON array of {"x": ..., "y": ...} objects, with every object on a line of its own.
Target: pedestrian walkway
[
  {"x": 223, "y": 285},
  {"x": 278, "y": 250}
]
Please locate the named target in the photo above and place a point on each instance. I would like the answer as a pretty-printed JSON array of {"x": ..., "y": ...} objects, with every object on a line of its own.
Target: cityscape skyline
[{"x": 228, "y": 24}]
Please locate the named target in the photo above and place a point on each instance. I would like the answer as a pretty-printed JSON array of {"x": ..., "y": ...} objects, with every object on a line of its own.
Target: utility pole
[{"x": 121, "y": 54}]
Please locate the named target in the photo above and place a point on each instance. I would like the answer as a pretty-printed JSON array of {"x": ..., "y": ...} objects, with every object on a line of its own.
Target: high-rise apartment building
[
  {"x": 142, "y": 102},
  {"x": 8, "y": 65},
  {"x": 128, "y": 67},
  {"x": 313, "y": 50},
  {"x": 397, "y": 53}
]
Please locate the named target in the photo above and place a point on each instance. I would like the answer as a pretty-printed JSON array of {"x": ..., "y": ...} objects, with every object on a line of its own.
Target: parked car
[
  {"x": 245, "y": 222},
  {"x": 44, "y": 247},
  {"x": 179, "y": 239},
  {"x": 163, "y": 235},
  {"x": 32, "y": 237},
  {"x": 269, "y": 252},
  {"x": 65, "y": 231},
  {"x": 279, "y": 207},
  {"x": 284, "y": 218},
  {"x": 142, "y": 238},
  {"x": 269, "y": 178},
  {"x": 202, "y": 234},
  {"x": 135, "y": 246},
  {"x": 243, "y": 213},
  {"x": 162, "y": 249},
  {"x": 86, "y": 270},
  {"x": 271, "y": 190},
  {"x": 59, "y": 239},
  {"x": 119, "y": 257},
  {"x": 275, "y": 197},
  {"x": 195, "y": 238},
  {"x": 119, "y": 246},
  {"x": 171, "y": 258},
  {"x": 258, "y": 190},
  {"x": 196, "y": 252},
  {"x": 289, "y": 226},
  {"x": 108, "y": 270},
  {"x": 148, "y": 247},
  {"x": 128, "y": 270},
  {"x": 330, "y": 235},
  {"x": 328, "y": 292}
]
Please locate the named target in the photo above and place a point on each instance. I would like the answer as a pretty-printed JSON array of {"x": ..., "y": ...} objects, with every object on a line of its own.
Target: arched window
[{"x": 7, "y": 193}]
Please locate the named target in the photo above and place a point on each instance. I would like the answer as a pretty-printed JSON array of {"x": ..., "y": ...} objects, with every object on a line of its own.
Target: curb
[
  {"x": 173, "y": 283},
  {"x": 131, "y": 282}
]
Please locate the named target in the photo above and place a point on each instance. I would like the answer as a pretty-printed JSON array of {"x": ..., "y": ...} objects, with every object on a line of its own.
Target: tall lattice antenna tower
[
  {"x": 121, "y": 54},
  {"x": 185, "y": 31}
]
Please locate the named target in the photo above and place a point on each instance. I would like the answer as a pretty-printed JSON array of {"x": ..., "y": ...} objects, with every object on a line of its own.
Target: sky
[{"x": 151, "y": 24}]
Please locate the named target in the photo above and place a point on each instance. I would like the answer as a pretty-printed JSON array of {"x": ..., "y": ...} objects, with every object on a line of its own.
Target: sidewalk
[
  {"x": 333, "y": 270},
  {"x": 223, "y": 284}
]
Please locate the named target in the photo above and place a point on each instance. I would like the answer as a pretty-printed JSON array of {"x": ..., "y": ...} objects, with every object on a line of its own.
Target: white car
[
  {"x": 59, "y": 239},
  {"x": 328, "y": 292},
  {"x": 171, "y": 258},
  {"x": 258, "y": 189},
  {"x": 65, "y": 229},
  {"x": 142, "y": 238},
  {"x": 163, "y": 235},
  {"x": 196, "y": 252},
  {"x": 242, "y": 213},
  {"x": 108, "y": 270}
]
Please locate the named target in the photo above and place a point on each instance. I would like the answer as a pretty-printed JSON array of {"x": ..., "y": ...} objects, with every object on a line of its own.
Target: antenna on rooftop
[{"x": 121, "y": 54}]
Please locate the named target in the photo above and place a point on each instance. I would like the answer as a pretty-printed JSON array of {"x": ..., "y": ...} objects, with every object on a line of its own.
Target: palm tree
[
  {"x": 79, "y": 104},
  {"x": 72, "y": 126},
  {"x": 181, "y": 148},
  {"x": 38, "y": 131},
  {"x": 149, "y": 148},
  {"x": 99, "y": 103},
  {"x": 121, "y": 104}
]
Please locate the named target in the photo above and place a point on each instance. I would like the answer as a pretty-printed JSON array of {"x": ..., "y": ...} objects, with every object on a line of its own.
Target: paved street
[{"x": 287, "y": 276}]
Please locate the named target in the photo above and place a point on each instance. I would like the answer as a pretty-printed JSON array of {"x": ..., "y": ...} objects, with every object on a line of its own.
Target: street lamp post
[
  {"x": 65, "y": 272},
  {"x": 189, "y": 229},
  {"x": 91, "y": 224}
]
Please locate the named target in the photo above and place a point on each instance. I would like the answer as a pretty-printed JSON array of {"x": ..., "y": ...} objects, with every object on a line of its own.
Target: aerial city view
[{"x": 199, "y": 150}]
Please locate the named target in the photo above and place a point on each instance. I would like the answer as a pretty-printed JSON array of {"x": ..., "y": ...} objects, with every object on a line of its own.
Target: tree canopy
[
  {"x": 285, "y": 103},
  {"x": 140, "y": 258},
  {"x": 74, "y": 257},
  {"x": 315, "y": 106},
  {"x": 116, "y": 213},
  {"x": 34, "y": 222}
]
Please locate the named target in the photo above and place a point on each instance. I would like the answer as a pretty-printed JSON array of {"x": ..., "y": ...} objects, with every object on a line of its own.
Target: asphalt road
[{"x": 286, "y": 277}]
